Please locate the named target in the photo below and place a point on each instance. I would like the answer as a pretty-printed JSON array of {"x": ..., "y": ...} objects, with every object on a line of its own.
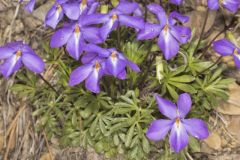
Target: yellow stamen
[
  {"x": 166, "y": 27},
  {"x": 114, "y": 55},
  {"x": 97, "y": 65},
  {"x": 77, "y": 29},
  {"x": 236, "y": 52},
  {"x": 18, "y": 53},
  {"x": 59, "y": 8},
  {"x": 114, "y": 17},
  {"x": 221, "y": 1},
  {"x": 178, "y": 122},
  {"x": 84, "y": 2}
]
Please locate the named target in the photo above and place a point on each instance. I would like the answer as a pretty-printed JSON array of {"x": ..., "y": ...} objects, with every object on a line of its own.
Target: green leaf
[
  {"x": 183, "y": 78},
  {"x": 194, "y": 145},
  {"x": 129, "y": 136},
  {"x": 172, "y": 92},
  {"x": 184, "y": 87},
  {"x": 145, "y": 145}
]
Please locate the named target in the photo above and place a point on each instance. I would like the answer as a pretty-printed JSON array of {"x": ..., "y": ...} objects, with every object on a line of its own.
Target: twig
[
  {"x": 215, "y": 63},
  {"x": 48, "y": 147},
  {"x": 12, "y": 22},
  {"x": 50, "y": 86}
]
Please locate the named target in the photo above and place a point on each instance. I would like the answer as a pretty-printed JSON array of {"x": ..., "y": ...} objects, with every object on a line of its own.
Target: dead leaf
[
  {"x": 228, "y": 109},
  {"x": 234, "y": 92},
  {"x": 1, "y": 142},
  {"x": 46, "y": 156},
  {"x": 213, "y": 141},
  {"x": 234, "y": 127}
]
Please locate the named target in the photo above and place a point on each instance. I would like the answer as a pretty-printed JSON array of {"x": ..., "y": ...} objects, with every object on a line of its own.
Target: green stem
[
  {"x": 214, "y": 64},
  {"x": 49, "y": 85},
  {"x": 202, "y": 32}
]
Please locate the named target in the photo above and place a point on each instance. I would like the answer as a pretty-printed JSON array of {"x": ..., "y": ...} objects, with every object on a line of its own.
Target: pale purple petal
[
  {"x": 175, "y": 16},
  {"x": 133, "y": 22},
  {"x": 115, "y": 66},
  {"x": 30, "y": 6},
  {"x": 91, "y": 34},
  {"x": 149, "y": 31},
  {"x": 92, "y": 8},
  {"x": 71, "y": 10},
  {"x": 224, "y": 47},
  {"x": 184, "y": 104},
  {"x": 127, "y": 7},
  {"x": 159, "y": 129},
  {"x": 178, "y": 138},
  {"x": 60, "y": 37},
  {"x": 159, "y": 11},
  {"x": 196, "y": 127},
  {"x": 33, "y": 62},
  {"x": 94, "y": 19},
  {"x": 92, "y": 82},
  {"x": 122, "y": 75},
  {"x": 54, "y": 16},
  {"x": 11, "y": 65},
  {"x": 184, "y": 33},
  {"x": 75, "y": 45},
  {"x": 237, "y": 60},
  {"x": 177, "y": 2},
  {"x": 133, "y": 66},
  {"x": 168, "y": 44},
  {"x": 166, "y": 107},
  {"x": 213, "y": 4},
  {"x": 231, "y": 5},
  {"x": 90, "y": 56},
  {"x": 80, "y": 74},
  {"x": 107, "y": 28},
  {"x": 6, "y": 52},
  {"x": 96, "y": 49}
]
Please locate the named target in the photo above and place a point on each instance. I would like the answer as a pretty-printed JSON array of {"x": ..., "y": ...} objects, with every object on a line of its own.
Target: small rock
[{"x": 213, "y": 141}]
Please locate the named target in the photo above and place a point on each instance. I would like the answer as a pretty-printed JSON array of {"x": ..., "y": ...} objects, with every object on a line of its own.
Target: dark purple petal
[
  {"x": 183, "y": 33},
  {"x": 134, "y": 22},
  {"x": 71, "y": 10},
  {"x": 60, "y": 37},
  {"x": 91, "y": 34},
  {"x": 54, "y": 16},
  {"x": 176, "y": 2},
  {"x": 92, "y": 82},
  {"x": 231, "y": 5},
  {"x": 178, "y": 138},
  {"x": 168, "y": 44},
  {"x": 75, "y": 45},
  {"x": 107, "y": 28},
  {"x": 96, "y": 49},
  {"x": 133, "y": 66},
  {"x": 196, "y": 127},
  {"x": 93, "y": 19},
  {"x": 33, "y": 62},
  {"x": 159, "y": 129},
  {"x": 237, "y": 60},
  {"x": 224, "y": 47},
  {"x": 80, "y": 74},
  {"x": 184, "y": 104},
  {"x": 6, "y": 52},
  {"x": 122, "y": 75},
  {"x": 159, "y": 11},
  {"x": 92, "y": 8},
  {"x": 30, "y": 6},
  {"x": 149, "y": 31},
  {"x": 166, "y": 107},
  {"x": 90, "y": 56},
  {"x": 175, "y": 16},
  {"x": 115, "y": 66},
  {"x": 127, "y": 7},
  {"x": 11, "y": 65},
  {"x": 213, "y": 4}
]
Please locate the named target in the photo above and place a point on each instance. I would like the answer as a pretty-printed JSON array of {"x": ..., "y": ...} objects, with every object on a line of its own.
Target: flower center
[
  {"x": 235, "y": 52},
  {"x": 178, "y": 122},
  {"x": 114, "y": 17},
  {"x": 84, "y": 2},
  {"x": 18, "y": 53},
  {"x": 59, "y": 8},
  {"x": 221, "y": 1},
  {"x": 114, "y": 55},
  {"x": 166, "y": 27},
  {"x": 97, "y": 65},
  {"x": 77, "y": 29}
]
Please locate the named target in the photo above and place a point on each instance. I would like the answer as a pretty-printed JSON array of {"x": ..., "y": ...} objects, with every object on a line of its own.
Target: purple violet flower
[
  {"x": 91, "y": 73},
  {"x": 180, "y": 127},
  {"x": 120, "y": 16},
  {"x": 75, "y": 35},
  {"x": 227, "y": 48},
  {"x": 16, "y": 54},
  {"x": 73, "y": 10},
  {"x": 176, "y": 2},
  {"x": 230, "y": 5},
  {"x": 169, "y": 32},
  {"x": 115, "y": 62},
  {"x": 30, "y": 6}
]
